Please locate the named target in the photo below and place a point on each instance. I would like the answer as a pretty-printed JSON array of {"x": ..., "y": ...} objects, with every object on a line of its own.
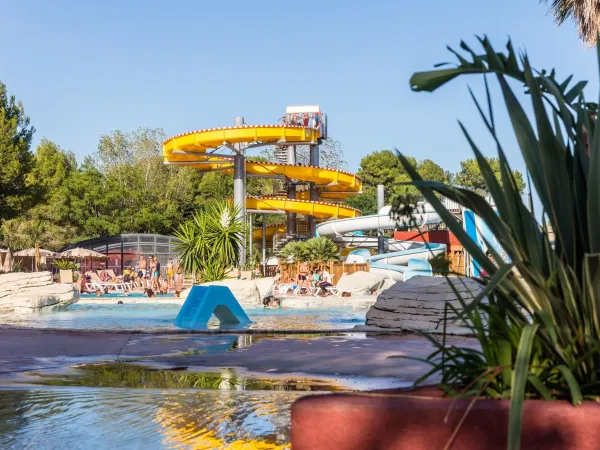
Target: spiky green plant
[
  {"x": 208, "y": 244},
  {"x": 294, "y": 251},
  {"x": 321, "y": 250},
  {"x": 542, "y": 338}
]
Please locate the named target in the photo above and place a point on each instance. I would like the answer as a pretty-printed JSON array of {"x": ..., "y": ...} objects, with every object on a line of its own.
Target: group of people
[
  {"x": 308, "y": 279},
  {"x": 147, "y": 275},
  {"x": 313, "y": 120}
]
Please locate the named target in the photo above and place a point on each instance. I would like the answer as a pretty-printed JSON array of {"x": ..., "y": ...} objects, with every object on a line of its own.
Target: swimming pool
[
  {"x": 160, "y": 316},
  {"x": 109, "y": 418}
]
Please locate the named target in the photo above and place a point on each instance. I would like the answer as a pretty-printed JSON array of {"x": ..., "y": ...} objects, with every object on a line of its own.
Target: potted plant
[{"x": 535, "y": 382}]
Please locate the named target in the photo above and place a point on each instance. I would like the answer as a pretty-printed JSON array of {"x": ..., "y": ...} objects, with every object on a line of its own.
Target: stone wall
[
  {"x": 419, "y": 305},
  {"x": 33, "y": 291}
]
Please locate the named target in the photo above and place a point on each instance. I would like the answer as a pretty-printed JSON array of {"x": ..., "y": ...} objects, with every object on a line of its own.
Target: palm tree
[
  {"x": 585, "y": 12},
  {"x": 321, "y": 250},
  {"x": 294, "y": 251}
]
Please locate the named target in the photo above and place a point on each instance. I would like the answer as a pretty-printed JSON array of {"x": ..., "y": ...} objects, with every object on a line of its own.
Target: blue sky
[{"x": 85, "y": 68}]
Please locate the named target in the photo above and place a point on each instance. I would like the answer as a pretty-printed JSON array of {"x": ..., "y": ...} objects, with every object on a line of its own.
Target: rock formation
[
  {"x": 419, "y": 305},
  {"x": 22, "y": 292},
  {"x": 246, "y": 292},
  {"x": 359, "y": 283}
]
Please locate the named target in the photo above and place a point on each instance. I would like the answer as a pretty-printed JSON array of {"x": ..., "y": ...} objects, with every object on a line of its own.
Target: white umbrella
[
  {"x": 82, "y": 253},
  {"x": 31, "y": 252},
  {"x": 7, "y": 266}
]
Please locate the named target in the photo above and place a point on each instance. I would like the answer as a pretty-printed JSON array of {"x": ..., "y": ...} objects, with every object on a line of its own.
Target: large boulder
[
  {"x": 419, "y": 305},
  {"x": 34, "y": 291},
  {"x": 359, "y": 283},
  {"x": 264, "y": 285}
]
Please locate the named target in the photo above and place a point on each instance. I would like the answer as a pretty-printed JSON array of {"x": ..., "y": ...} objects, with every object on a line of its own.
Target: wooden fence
[{"x": 336, "y": 269}]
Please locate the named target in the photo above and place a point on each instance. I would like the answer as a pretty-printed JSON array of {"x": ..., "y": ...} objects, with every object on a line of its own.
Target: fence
[{"x": 336, "y": 269}]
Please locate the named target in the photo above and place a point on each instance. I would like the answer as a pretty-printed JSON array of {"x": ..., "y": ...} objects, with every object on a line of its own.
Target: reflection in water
[
  {"x": 110, "y": 418},
  {"x": 136, "y": 376}
]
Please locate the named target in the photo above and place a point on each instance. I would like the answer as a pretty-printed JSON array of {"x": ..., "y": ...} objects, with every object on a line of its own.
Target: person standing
[
  {"x": 302, "y": 278},
  {"x": 170, "y": 274},
  {"x": 153, "y": 277},
  {"x": 178, "y": 275},
  {"x": 142, "y": 267}
]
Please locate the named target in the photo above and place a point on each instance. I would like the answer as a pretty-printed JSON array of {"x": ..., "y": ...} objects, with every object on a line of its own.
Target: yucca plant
[
  {"x": 539, "y": 329},
  {"x": 208, "y": 244}
]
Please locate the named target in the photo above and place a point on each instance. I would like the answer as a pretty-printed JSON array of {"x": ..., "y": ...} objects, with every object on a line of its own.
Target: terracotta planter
[{"x": 415, "y": 420}]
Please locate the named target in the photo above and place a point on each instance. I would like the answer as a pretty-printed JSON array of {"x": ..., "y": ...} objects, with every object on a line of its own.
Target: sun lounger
[
  {"x": 97, "y": 283},
  {"x": 283, "y": 288}
]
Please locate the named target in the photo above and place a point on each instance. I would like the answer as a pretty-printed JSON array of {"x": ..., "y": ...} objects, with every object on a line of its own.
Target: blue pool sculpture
[{"x": 204, "y": 301}]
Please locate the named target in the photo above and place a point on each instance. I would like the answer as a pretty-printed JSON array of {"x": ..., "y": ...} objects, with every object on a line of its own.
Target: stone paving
[{"x": 343, "y": 354}]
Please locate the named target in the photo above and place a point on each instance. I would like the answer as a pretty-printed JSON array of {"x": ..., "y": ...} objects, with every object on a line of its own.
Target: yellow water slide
[{"x": 198, "y": 149}]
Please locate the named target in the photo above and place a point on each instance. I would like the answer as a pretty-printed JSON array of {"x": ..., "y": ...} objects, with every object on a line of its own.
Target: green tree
[
  {"x": 431, "y": 171},
  {"x": 15, "y": 156},
  {"x": 384, "y": 167},
  {"x": 366, "y": 202},
  {"x": 470, "y": 176}
]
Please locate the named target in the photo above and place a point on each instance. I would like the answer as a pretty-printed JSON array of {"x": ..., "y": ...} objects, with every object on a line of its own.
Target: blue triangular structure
[{"x": 203, "y": 301}]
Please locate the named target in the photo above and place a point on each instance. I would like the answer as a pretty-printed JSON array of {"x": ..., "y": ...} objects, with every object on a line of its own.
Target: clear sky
[{"x": 85, "y": 68}]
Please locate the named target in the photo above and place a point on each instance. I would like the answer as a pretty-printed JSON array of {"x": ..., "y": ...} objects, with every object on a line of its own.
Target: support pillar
[
  {"x": 250, "y": 237},
  {"x": 314, "y": 192},
  {"x": 239, "y": 190},
  {"x": 264, "y": 243},
  {"x": 380, "y": 205},
  {"x": 291, "y": 192}
]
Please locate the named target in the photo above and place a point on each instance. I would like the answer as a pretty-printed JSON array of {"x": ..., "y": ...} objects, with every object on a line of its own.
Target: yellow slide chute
[{"x": 195, "y": 149}]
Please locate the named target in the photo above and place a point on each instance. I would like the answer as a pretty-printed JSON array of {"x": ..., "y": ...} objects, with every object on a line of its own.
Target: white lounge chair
[{"x": 97, "y": 283}]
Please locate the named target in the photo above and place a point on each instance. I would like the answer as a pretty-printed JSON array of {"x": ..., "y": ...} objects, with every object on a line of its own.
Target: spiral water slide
[
  {"x": 198, "y": 149},
  {"x": 403, "y": 258}
]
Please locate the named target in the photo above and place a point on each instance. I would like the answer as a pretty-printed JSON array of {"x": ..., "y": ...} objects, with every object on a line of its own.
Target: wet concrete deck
[{"x": 344, "y": 354}]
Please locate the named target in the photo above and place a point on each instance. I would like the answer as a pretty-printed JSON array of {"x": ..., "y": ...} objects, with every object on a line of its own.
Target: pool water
[
  {"x": 111, "y": 418},
  {"x": 160, "y": 316}
]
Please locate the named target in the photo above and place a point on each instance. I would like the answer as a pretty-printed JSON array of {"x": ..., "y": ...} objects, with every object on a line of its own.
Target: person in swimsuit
[
  {"x": 178, "y": 275},
  {"x": 302, "y": 278},
  {"x": 142, "y": 265},
  {"x": 170, "y": 273}
]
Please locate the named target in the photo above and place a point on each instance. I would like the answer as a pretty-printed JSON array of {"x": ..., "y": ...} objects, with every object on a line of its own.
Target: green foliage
[
  {"x": 317, "y": 250},
  {"x": 124, "y": 188},
  {"x": 294, "y": 251},
  {"x": 18, "y": 266},
  {"x": 470, "y": 175},
  {"x": 383, "y": 167},
  {"x": 65, "y": 264},
  {"x": 542, "y": 338},
  {"x": 321, "y": 250},
  {"x": 440, "y": 264},
  {"x": 15, "y": 156},
  {"x": 209, "y": 242}
]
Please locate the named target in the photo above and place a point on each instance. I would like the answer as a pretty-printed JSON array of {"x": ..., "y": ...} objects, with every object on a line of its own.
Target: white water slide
[{"x": 404, "y": 258}]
